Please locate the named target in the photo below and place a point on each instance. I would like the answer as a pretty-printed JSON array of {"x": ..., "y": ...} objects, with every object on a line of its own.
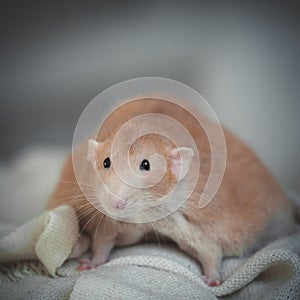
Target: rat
[{"x": 248, "y": 209}]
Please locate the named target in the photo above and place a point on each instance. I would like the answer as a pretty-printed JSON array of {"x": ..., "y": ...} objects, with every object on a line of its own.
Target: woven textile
[{"x": 147, "y": 271}]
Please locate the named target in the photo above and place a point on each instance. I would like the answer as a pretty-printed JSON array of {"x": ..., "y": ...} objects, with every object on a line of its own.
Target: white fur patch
[{"x": 93, "y": 147}]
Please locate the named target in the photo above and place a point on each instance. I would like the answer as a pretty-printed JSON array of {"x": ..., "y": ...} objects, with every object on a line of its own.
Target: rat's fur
[{"x": 247, "y": 204}]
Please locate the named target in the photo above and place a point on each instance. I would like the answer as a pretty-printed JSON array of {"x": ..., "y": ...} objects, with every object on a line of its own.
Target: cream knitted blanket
[
  {"x": 139, "y": 272},
  {"x": 146, "y": 271}
]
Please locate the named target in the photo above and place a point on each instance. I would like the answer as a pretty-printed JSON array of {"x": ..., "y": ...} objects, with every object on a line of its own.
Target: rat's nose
[{"x": 119, "y": 203}]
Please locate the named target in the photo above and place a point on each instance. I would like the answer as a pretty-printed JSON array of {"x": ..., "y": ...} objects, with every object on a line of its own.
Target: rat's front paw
[
  {"x": 211, "y": 281},
  {"x": 86, "y": 264},
  {"x": 212, "y": 278}
]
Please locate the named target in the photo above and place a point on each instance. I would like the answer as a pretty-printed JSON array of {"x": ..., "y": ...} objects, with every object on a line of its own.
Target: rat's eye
[
  {"x": 145, "y": 165},
  {"x": 106, "y": 162}
]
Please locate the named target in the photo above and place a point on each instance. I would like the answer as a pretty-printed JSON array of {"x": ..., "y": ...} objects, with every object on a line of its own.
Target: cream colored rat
[{"x": 248, "y": 206}]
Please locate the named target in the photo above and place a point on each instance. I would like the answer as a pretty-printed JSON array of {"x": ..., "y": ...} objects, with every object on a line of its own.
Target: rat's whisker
[
  {"x": 99, "y": 223},
  {"x": 154, "y": 229},
  {"x": 89, "y": 221},
  {"x": 85, "y": 213}
]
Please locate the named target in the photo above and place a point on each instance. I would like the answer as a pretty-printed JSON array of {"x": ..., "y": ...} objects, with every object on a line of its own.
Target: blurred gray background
[{"x": 56, "y": 56}]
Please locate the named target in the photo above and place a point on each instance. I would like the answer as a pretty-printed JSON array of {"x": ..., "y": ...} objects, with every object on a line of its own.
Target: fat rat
[{"x": 248, "y": 206}]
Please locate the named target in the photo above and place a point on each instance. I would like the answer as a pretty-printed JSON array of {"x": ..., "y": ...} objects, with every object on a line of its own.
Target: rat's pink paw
[
  {"x": 211, "y": 282},
  {"x": 84, "y": 267},
  {"x": 86, "y": 264},
  {"x": 84, "y": 261}
]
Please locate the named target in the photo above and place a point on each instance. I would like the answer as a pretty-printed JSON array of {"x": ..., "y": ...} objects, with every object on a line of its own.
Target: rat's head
[{"x": 135, "y": 180}]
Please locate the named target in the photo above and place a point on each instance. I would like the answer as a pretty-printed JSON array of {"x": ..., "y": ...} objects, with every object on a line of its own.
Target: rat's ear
[
  {"x": 93, "y": 147},
  {"x": 181, "y": 158}
]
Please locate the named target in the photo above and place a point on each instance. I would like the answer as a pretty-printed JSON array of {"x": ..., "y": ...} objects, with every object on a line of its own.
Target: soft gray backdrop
[{"x": 243, "y": 58}]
